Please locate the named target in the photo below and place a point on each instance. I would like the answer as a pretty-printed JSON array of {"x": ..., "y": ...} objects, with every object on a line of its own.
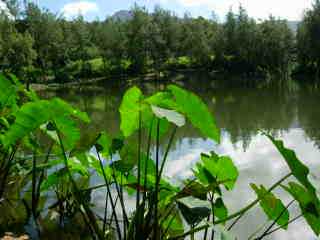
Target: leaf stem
[
  {"x": 78, "y": 195},
  {"x": 139, "y": 218},
  {"x": 110, "y": 195},
  {"x": 167, "y": 150},
  {"x": 156, "y": 230},
  {"x": 252, "y": 204},
  {"x": 278, "y": 228},
  {"x": 240, "y": 212},
  {"x": 275, "y": 221}
]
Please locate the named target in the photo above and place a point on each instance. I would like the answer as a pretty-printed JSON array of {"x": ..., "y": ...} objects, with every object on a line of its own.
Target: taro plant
[{"x": 47, "y": 163}]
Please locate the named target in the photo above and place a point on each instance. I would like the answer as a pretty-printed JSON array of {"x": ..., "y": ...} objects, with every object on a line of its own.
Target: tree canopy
[{"x": 42, "y": 45}]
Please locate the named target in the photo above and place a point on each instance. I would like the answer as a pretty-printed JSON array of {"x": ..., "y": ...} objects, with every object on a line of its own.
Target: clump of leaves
[{"x": 125, "y": 164}]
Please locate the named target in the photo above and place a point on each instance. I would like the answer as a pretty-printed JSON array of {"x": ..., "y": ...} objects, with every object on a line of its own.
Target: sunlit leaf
[
  {"x": 171, "y": 115},
  {"x": 196, "y": 111},
  {"x": 33, "y": 114},
  {"x": 129, "y": 111},
  {"x": 214, "y": 168},
  {"x": 163, "y": 100}
]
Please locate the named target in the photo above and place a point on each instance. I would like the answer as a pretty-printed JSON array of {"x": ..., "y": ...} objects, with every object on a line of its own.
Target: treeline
[
  {"x": 308, "y": 44},
  {"x": 39, "y": 45}
]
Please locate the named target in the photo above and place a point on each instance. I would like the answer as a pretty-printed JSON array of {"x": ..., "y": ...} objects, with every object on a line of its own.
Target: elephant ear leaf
[
  {"x": 272, "y": 206},
  {"x": 309, "y": 205},
  {"x": 34, "y": 114},
  {"x": 214, "y": 168},
  {"x": 9, "y": 90},
  {"x": 298, "y": 169},
  {"x": 196, "y": 111},
  {"x": 129, "y": 111}
]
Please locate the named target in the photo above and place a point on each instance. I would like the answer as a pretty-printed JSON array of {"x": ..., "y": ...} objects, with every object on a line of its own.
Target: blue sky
[{"x": 91, "y": 9}]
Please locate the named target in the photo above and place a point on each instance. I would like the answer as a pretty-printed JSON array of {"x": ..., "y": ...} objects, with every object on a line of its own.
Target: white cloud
[
  {"x": 82, "y": 7},
  {"x": 193, "y": 3},
  {"x": 289, "y": 9},
  {"x": 4, "y": 9}
]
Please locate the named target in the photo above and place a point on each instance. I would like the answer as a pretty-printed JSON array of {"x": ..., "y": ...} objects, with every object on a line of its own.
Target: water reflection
[{"x": 288, "y": 111}]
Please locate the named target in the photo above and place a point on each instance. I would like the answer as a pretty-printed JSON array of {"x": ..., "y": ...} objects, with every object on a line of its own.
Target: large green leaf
[
  {"x": 214, "y": 168},
  {"x": 9, "y": 90},
  {"x": 69, "y": 130},
  {"x": 28, "y": 118},
  {"x": 272, "y": 206},
  {"x": 163, "y": 100},
  {"x": 298, "y": 169},
  {"x": 196, "y": 111},
  {"x": 33, "y": 114},
  {"x": 130, "y": 110},
  {"x": 309, "y": 205}
]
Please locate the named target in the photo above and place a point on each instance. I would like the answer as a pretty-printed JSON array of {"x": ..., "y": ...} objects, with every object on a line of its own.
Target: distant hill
[
  {"x": 126, "y": 15},
  {"x": 122, "y": 15}
]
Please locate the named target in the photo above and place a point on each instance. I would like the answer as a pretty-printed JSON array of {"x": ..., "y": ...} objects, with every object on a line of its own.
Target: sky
[{"x": 259, "y": 9}]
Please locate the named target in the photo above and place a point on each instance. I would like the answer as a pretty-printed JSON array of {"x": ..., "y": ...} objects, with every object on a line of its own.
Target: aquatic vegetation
[{"x": 47, "y": 163}]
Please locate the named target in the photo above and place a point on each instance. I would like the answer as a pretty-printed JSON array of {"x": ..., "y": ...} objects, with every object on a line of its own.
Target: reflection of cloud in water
[{"x": 260, "y": 163}]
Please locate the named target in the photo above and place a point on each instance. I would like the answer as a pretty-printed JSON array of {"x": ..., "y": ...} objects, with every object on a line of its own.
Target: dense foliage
[
  {"x": 38, "y": 44},
  {"x": 47, "y": 164},
  {"x": 308, "y": 44}
]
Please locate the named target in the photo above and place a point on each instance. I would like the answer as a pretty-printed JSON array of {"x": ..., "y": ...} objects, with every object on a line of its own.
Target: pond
[{"x": 243, "y": 111}]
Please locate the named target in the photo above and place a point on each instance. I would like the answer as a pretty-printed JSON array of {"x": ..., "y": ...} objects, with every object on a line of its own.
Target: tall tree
[{"x": 308, "y": 36}]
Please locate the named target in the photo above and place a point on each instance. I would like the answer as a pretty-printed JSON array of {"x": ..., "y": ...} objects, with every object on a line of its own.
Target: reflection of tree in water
[
  {"x": 309, "y": 111},
  {"x": 242, "y": 112}
]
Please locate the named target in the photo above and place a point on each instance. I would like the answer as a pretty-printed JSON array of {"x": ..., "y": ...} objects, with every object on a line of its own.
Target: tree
[
  {"x": 111, "y": 41},
  {"x": 138, "y": 38},
  {"x": 16, "y": 49},
  {"x": 308, "y": 36}
]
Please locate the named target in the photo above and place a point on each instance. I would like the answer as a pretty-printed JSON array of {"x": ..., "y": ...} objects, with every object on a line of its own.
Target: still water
[{"x": 243, "y": 111}]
